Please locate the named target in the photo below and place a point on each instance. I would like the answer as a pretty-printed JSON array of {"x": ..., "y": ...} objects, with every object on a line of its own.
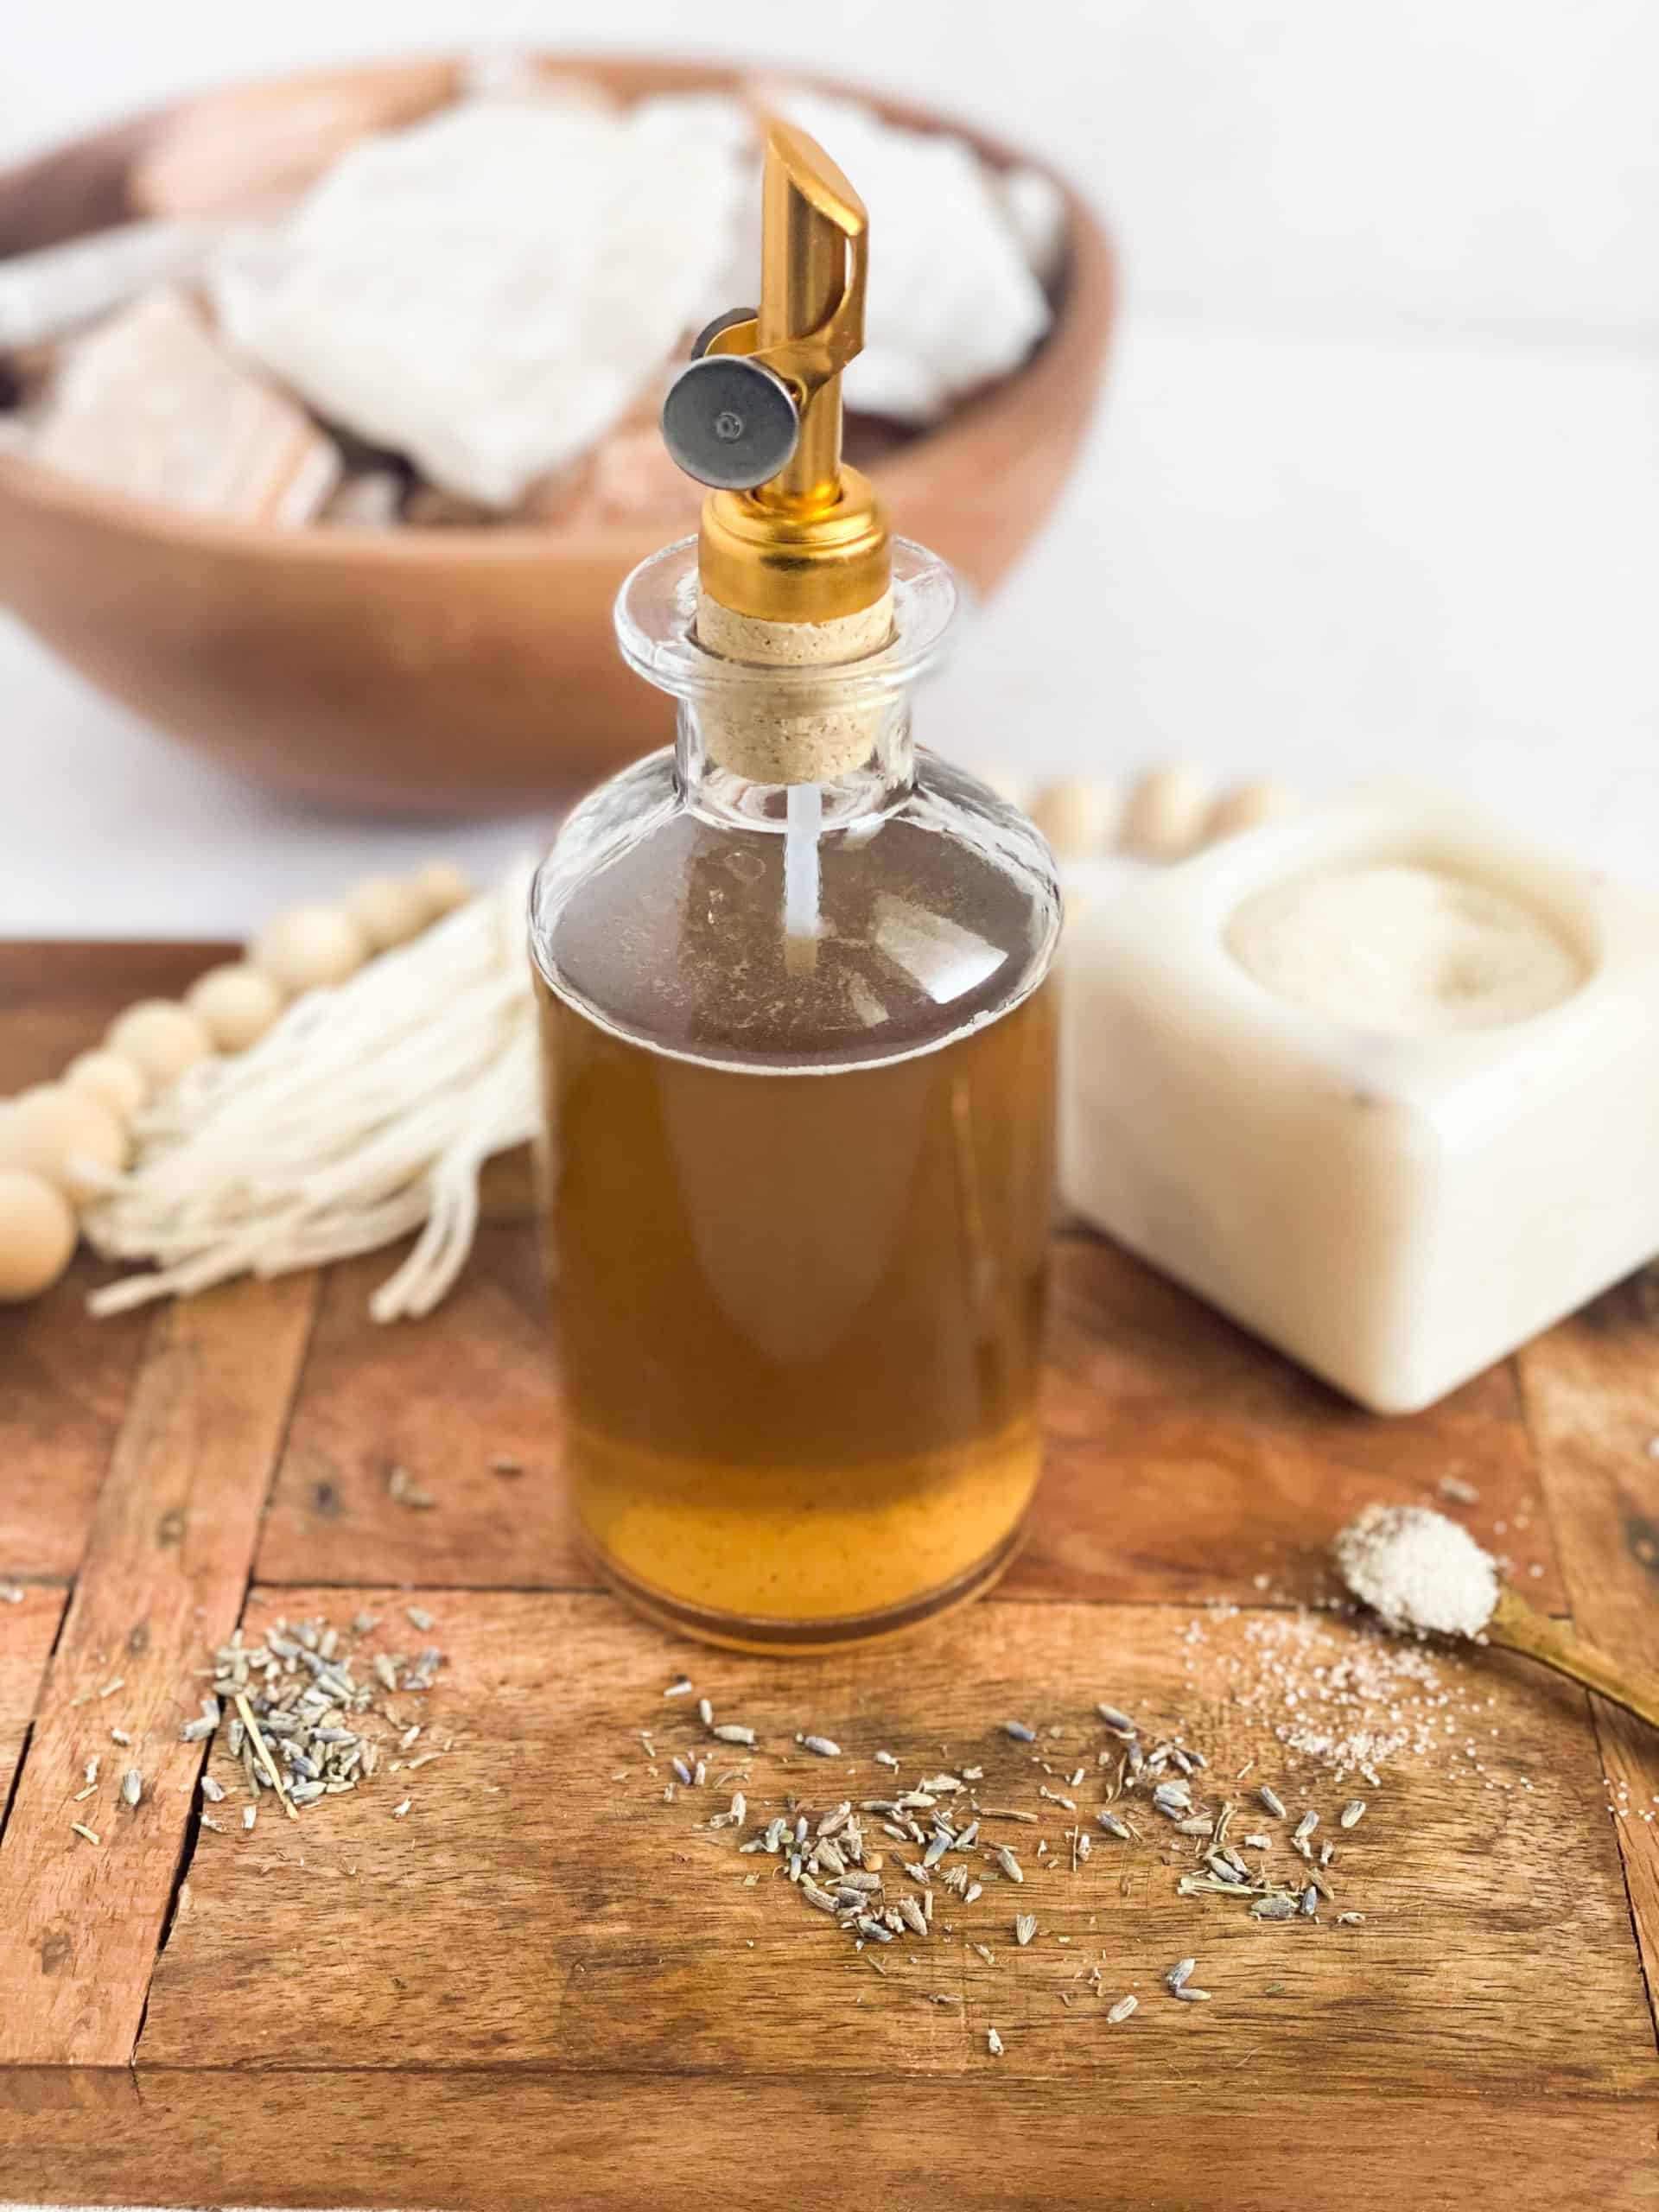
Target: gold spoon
[{"x": 1516, "y": 1626}]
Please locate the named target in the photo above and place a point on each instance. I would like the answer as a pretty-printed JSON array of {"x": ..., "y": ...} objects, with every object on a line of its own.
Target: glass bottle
[
  {"x": 798, "y": 1053},
  {"x": 797, "y": 1189}
]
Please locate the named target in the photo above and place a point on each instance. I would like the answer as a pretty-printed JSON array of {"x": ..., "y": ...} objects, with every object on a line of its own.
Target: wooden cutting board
[{"x": 543, "y": 1985}]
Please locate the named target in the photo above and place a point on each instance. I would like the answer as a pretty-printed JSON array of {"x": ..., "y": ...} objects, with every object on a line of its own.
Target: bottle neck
[{"x": 880, "y": 781}]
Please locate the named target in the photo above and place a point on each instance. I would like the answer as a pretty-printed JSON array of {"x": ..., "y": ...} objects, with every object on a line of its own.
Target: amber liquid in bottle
[{"x": 797, "y": 1215}]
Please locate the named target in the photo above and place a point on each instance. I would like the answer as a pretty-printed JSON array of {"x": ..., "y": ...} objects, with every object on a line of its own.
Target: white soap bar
[
  {"x": 1398, "y": 1144},
  {"x": 46, "y": 296},
  {"x": 489, "y": 291},
  {"x": 151, "y": 404}
]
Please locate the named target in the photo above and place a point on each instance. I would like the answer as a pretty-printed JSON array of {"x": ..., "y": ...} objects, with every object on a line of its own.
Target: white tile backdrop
[{"x": 1375, "y": 484}]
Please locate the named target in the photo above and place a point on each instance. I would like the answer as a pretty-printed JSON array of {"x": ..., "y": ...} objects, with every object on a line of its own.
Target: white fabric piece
[
  {"x": 151, "y": 404},
  {"x": 1035, "y": 206},
  {"x": 47, "y": 294},
  {"x": 488, "y": 292}
]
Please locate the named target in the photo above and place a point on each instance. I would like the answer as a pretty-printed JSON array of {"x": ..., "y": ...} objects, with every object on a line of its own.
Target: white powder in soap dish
[
  {"x": 1418, "y": 1570},
  {"x": 1402, "y": 949}
]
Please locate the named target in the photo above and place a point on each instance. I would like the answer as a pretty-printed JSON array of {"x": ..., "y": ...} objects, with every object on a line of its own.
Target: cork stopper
[{"x": 773, "y": 736}]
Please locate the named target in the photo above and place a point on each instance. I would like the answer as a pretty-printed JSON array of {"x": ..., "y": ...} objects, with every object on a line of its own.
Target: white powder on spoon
[{"x": 1419, "y": 1571}]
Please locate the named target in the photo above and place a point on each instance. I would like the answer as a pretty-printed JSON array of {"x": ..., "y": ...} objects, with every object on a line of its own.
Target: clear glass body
[{"x": 797, "y": 1176}]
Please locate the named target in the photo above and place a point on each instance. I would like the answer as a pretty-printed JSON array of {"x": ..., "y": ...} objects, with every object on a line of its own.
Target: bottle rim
[{"x": 656, "y": 628}]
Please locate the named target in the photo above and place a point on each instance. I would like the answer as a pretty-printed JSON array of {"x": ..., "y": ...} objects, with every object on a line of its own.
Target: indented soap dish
[{"x": 1381, "y": 1082}]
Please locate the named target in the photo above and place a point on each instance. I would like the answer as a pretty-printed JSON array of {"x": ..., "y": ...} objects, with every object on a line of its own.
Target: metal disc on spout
[{"x": 730, "y": 422}]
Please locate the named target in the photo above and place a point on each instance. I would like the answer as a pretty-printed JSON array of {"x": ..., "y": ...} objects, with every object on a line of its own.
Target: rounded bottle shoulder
[{"x": 938, "y": 911}]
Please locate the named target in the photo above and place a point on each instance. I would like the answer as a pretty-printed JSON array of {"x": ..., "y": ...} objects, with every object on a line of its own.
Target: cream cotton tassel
[{"x": 366, "y": 1112}]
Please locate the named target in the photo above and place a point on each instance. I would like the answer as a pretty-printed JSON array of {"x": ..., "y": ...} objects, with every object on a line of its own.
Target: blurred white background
[{"x": 1374, "y": 484}]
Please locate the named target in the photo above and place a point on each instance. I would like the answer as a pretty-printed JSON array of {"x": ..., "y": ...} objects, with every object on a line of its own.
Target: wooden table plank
[
  {"x": 540, "y": 1904},
  {"x": 1186, "y": 1460},
  {"x": 539, "y": 1984},
  {"x": 60, "y": 995},
  {"x": 441, "y": 1397},
  {"x": 1151, "y": 1398},
  {"x": 516, "y": 2142},
  {"x": 28, "y": 1629},
  {"x": 164, "y": 1575},
  {"x": 1592, "y": 1388},
  {"x": 64, "y": 1377},
  {"x": 65, "y": 1382}
]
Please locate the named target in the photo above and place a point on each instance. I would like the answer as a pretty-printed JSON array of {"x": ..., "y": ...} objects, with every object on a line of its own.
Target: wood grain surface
[
  {"x": 27, "y": 1631},
  {"x": 508, "y": 2141},
  {"x": 1186, "y": 1460},
  {"x": 1592, "y": 1389},
  {"x": 1151, "y": 1397},
  {"x": 444, "y": 1398},
  {"x": 65, "y": 1384},
  {"x": 545, "y": 1984},
  {"x": 162, "y": 1584},
  {"x": 59, "y": 998},
  {"x": 569, "y": 1917}
]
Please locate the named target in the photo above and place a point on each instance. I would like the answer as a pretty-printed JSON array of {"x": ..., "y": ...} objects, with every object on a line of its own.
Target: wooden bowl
[{"x": 435, "y": 670}]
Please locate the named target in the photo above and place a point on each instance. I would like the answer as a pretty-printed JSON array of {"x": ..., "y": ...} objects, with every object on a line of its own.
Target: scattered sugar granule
[
  {"x": 1347, "y": 1696},
  {"x": 1419, "y": 1571}
]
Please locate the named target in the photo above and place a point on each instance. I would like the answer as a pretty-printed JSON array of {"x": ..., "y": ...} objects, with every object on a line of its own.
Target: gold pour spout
[
  {"x": 806, "y": 540},
  {"x": 814, "y": 259}
]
